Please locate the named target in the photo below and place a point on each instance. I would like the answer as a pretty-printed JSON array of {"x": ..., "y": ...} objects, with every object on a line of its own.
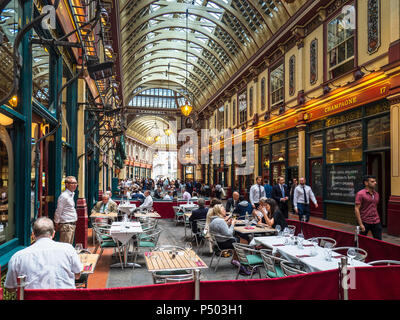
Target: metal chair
[
  {"x": 272, "y": 264},
  {"x": 290, "y": 268},
  {"x": 149, "y": 242},
  {"x": 323, "y": 240},
  {"x": 179, "y": 214},
  {"x": 104, "y": 236},
  {"x": 384, "y": 263},
  {"x": 199, "y": 235},
  {"x": 216, "y": 249},
  {"x": 248, "y": 257},
  {"x": 361, "y": 254},
  {"x": 105, "y": 242},
  {"x": 172, "y": 277}
]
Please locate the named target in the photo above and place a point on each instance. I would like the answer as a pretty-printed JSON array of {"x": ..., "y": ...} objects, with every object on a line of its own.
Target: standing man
[
  {"x": 268, "y": 189},
  {"x": 65, "y": 216},
  {"x": 302, "y": 195},
  {"x": 366, "y": 210},
  {"x": 257, "y": 191},
  {"x": 280, "y": 193},
  {"x": 46, "y": 264},
  {"x": 292, "y": 188}
]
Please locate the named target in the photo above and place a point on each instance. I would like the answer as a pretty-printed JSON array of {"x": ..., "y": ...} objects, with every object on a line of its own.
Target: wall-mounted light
[
  {"x": 13, "y": 102},
  {"x": 109, "y": 51},
  {"x": 104, "y": 16}
]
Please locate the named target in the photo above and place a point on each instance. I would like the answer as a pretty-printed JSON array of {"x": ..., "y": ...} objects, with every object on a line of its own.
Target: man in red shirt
[{"x": 366, "y": 211}]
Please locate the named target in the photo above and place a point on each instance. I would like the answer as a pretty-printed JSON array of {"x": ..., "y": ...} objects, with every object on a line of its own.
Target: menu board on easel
[{"x": 343, "y": 182}]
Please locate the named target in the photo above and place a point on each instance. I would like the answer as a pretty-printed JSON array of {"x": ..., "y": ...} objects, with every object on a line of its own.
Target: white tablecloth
[
  {"x": 124, "y": 231},
  {"x": 189, "y": 206},
  {"x": 314, "y": 263},
  {"x": 127, "y": 207}
]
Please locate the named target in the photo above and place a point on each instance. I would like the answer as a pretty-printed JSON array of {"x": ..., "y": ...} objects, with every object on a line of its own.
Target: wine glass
[
  {"x": 188, "y": 247},
  {"x": 351, "y": 253},
  {"x": 300, "y": 239},
  {"x": 78, "y": 248},
  {"x": 328, "y": 250},
  {"x": 278, "y": 229}
]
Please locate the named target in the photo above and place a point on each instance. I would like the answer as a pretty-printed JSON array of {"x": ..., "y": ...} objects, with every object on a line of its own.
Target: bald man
[
  {"x": 106, "y": 205},
  {"x": 233, "y": 202}
]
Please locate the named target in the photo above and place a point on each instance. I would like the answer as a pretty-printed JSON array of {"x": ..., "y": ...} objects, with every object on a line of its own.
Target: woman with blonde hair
[{"x": 222, "y": 229}]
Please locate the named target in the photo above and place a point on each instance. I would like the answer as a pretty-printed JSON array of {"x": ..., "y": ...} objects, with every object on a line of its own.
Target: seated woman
[
  {"x": 273, "y": 216},
  {"x": 223, "y": 230},
  {"x": 258, "y": 214}
]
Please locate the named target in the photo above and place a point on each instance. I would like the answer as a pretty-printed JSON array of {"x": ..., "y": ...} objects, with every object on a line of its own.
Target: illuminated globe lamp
[
  {"x": 168, "y": 132},
  {"x": 13, "y": 102},
  {"x": 157, "y": 138},
  {"x": 186, "y": 109}
]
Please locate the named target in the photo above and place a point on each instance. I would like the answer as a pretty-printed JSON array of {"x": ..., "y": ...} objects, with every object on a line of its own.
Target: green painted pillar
[
  {"x": 72, "y": 119},
  {"x": 22, "y": 146}
]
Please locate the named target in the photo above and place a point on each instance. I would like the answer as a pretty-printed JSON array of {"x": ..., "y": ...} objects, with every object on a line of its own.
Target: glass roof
[{"x": 204, "y": 42}]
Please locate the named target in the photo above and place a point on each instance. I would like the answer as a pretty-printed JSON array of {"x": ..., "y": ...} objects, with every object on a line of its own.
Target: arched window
[
  {"x": 313, "y": 61},
  {"x": 292, "y": 72},
  {"x": 262, "y": 89}
]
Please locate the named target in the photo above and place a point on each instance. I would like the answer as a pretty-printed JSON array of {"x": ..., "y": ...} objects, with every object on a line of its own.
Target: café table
[
  {"x": 188, "y": 206},
  {"x": 157, "y": 261},
  {"x": 123, "y": 232},
  {"x": 312, "y": 262},
  {"x": 142, "y": 214},
  {"x": 253, "y": 229},
  {"x": 109, "y": 215},
  {"x": 89, "y": 262},
  {"x": 127, "y": 207}
]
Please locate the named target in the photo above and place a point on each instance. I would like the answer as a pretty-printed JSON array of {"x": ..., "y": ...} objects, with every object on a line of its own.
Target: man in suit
[
  {"x": 105, "y": 205},
  {"x": 198, "y": 214},
  {"x": 233, "y": 202},
  {"x": 280, "y": 193}
]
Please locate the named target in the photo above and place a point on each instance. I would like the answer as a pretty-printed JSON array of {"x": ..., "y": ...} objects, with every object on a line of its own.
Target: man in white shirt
[
  {"x": 301, "y": 200},
  {"x": 47, "y": 264},
  {"x": 186, "y": 195},
  {"x": 257, "y": 191},
  {"x": 168, "y": 196},
  {"x": 65, "y": 216},
  {"x": 148, "y": 201}
]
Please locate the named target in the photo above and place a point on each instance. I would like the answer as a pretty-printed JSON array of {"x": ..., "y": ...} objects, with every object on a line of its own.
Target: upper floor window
[
  {"x": 220, "y": 118},
  {"x": 262, "y": 89},
  {"x": 313, "y": 61},
  {"x": 243, "y": 107},
  {"x": 341, "y": 42},
  {"x": 234, "y": 112},
  {"x": 292, "y": 68},
  {"x": 277, "y": 82},
  {"x": 251, "y": 101}
]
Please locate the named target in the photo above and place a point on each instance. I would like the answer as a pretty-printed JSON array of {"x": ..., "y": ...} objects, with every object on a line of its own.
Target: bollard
[
  {"x": 343, "y": 282},
  {"x": 21, "y": 283},
  {"x": 356, "y": 235},
  {"x": 197, "y": 284}
]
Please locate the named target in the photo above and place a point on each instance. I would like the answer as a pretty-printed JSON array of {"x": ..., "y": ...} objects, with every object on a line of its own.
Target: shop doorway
[
  {"x": 378, "y": 165},
  {"x": 278, "y": 169}
]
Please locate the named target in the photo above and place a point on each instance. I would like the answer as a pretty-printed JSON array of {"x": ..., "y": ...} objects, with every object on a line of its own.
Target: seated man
[
  {"x": 186, "y": 195},
  {"x": 244, "y": 207},
  {"x": 47, "y": 264},
  {"x": 106, "y": 205},
  {"x": 168, "y": 196},
  {"x": 232, "y": 203},
  {"x": 198, "y": 214},
  {"x": 157, "y": 193},
  {"x": 148, "y": 201}
]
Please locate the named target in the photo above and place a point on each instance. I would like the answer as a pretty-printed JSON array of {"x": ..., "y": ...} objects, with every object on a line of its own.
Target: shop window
[
  {"x": 265, "y": 161},
  {"x": 262, "y": 89},
  {"x": 316, "y": 144},
  {"x": 279, "y": 151},
  {"x": 316, "y": 178},
  {"x": 379, "y": 132},
  {"x": 341, "y": 43},
  {"x": 8, "y": 31},
  {"x": 243, "y": 107},
  {"x": 344, "y": 143},
  {"x": 293, "y": 152},
  {"x": 277, "y": 82},
  {"x": 7, "y": 226}
]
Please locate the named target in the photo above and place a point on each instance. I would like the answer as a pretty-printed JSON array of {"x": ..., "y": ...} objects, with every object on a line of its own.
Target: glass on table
[
  {"x": 351, "y": 253},
  {"x": 78, "y": 248},
  {"x": 300, "y": 239},
  {"x": 328, "y": 251},
  {"x": 278, "y": 230}
]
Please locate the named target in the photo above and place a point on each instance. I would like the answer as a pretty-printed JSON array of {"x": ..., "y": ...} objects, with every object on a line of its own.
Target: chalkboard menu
[{"x": 344, "y": 181}]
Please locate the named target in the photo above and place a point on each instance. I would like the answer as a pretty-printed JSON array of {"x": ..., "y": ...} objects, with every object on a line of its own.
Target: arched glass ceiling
[
  {"x": 157, "y": 98},
  {"x": 213, "y": 38}
]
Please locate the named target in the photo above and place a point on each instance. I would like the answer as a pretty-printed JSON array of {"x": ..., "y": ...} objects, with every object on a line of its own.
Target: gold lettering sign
[{"x": 342, "y": 104}]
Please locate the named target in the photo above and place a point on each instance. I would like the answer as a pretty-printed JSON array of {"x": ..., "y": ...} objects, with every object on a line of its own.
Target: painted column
[
  {"x": 302, "y": 150},
  {"x": 81, "y": 206},
  {"x": 394, "y": 48}
]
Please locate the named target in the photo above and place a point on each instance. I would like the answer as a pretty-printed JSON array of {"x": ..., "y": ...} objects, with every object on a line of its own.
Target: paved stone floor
[{"x": 172, "y": 234}]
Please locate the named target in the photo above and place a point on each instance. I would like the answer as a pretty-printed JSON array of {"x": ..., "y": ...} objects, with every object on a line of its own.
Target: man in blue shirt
[{"x": 268, "y": 189}]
